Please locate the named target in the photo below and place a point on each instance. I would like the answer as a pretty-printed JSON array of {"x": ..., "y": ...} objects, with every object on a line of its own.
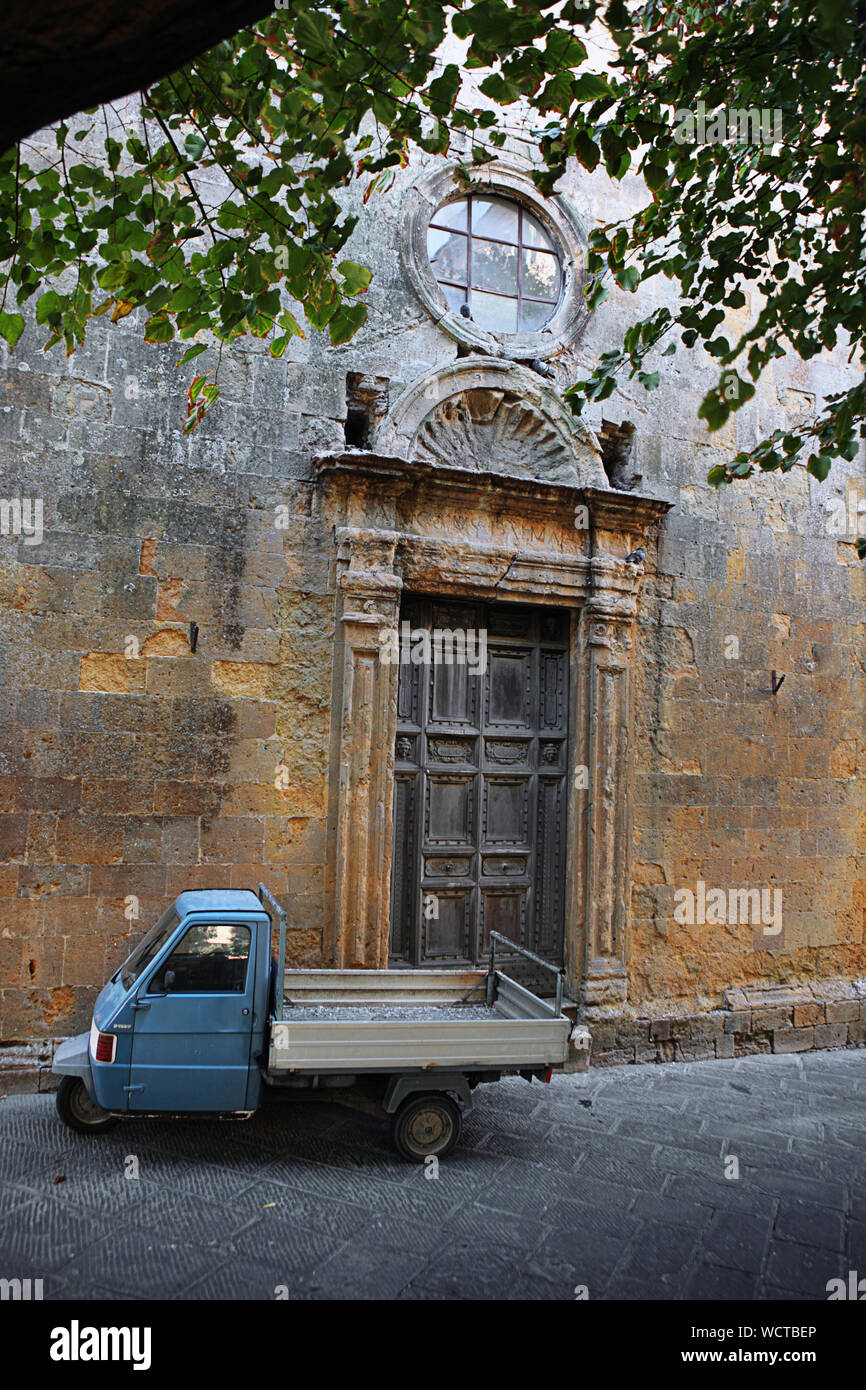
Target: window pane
[
  {"x": 148, "y": 949},
  {"x": 211, "y": 959},
  {"x": 494, "y": 267},
  {"x": 454, "y": 296},
  {"x": 452, "y": 215},
  {"x": 534, "y": 234},
  {"x": 496, "y": 218},
  {"x": 541, "y": 275},
  {"x": 534, "y": 314},
  {"x": 494, "y": 313},
  {"x": 447, "y": 253}
]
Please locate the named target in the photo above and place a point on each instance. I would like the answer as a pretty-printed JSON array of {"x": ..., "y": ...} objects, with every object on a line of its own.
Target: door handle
[{"x": 244, "y": 1012}]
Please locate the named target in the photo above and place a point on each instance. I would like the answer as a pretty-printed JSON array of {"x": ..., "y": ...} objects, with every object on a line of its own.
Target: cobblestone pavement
[{"x": 614, "y": 1180}]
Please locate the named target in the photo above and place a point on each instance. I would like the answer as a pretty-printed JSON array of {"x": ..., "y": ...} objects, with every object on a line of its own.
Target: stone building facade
[{"x": 622, "y": 757}]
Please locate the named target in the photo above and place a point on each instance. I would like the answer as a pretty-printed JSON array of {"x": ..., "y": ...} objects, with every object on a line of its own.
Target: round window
[{"x": 495, "y": 263}]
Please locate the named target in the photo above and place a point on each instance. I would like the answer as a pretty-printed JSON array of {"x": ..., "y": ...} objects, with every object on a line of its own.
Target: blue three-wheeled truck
[{"x": 204, "y": 1018}]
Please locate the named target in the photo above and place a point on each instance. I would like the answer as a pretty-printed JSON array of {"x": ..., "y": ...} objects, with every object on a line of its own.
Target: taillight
[{"x": 105, "y": 1045}]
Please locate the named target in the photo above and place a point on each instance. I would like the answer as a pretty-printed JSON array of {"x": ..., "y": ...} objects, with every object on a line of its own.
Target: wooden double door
[{"x": 480, "y": 792}]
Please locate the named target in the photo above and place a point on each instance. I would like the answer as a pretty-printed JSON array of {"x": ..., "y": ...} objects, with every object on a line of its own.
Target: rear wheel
[
  {"x": 427, "y": 1126},
  {"x": 78, "y": 1111}
]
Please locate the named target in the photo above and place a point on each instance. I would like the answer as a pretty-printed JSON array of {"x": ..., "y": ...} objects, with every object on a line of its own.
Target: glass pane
[
  {"x": 454, "y": 296},
  {"x": 211, "y": 959},
  {"x": 494, "y": 267},
  {"x": 452, "y": 215},
  {"x": 541, "y": 275},
  {"x": 494, "y": 313},
  {"x": 534, "y": 234},
  {"x": 494, "y": 217},
  {"x": 146, "y": 950},
  {"x": 447, "y": 252},
  {"x": 534, "y": 315}
]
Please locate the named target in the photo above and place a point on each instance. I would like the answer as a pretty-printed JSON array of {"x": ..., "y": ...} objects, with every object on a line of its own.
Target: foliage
[{"x": 218, "y": 207}]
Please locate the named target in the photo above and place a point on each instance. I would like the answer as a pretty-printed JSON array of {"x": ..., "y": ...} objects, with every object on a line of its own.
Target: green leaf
[
  {"x": 655, "y": 176},
  {"x": 49, "y": 307},
  {"x": 191, "y": 352},
  {"x": 589, "y": 86},
  {"x": 819, "y": 466},
  {"x": 346, "y": 322},
  {"x": 158, "y": 329},
  {"x": 628, "y": 278},
  {"x": 357, "y": 277},
  {"x": 587, "y": 150},
  {"x": 11, "y": 327},
  {"x": 115, "y": 274}
]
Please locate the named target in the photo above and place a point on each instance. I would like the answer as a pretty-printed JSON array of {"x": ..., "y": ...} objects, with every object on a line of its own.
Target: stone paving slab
[{"x": 621, "y": 1180}]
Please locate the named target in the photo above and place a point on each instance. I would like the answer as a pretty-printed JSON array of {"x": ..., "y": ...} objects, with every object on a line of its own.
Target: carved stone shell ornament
[{"x": 492, "y": 431}]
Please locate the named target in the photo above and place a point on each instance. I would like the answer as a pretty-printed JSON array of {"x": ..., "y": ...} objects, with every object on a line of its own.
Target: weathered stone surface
[
  {"x": 131, "y": 766},
  {"x": 793, "y": 1039},
  {"x": 831, "y": 1035}
]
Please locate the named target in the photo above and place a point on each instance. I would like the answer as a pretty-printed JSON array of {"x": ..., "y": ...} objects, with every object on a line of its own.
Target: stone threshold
[{"x": 770, "y": 1019}]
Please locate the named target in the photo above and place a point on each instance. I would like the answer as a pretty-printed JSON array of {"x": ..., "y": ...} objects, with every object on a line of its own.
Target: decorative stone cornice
[{"x": 627, "y": 514}]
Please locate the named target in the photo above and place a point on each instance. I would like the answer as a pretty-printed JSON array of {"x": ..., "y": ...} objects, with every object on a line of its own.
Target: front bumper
[{"x": 72, "y": 1058}]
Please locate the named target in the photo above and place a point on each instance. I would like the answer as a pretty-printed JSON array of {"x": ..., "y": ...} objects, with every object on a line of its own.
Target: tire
[
  {"x": 427, "y": 1126},
  {"x": 78, "y": 1111}
]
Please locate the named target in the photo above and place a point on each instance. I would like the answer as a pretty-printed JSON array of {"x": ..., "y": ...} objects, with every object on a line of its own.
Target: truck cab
[{"x": 181, "y": 1024}]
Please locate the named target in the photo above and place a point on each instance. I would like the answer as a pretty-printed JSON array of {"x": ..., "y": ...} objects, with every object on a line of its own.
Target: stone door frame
[{"x": 401, "y": 525}]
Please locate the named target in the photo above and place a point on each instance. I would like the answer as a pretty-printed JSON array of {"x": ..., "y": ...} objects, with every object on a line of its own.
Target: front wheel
[
  {"x": 78, "y": 1111},
  {"x": 427, "y": 1126}
]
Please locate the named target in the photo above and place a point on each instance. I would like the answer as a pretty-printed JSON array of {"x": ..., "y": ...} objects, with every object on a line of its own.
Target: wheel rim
[
  {"x": 429, "y": 1129},
  {"x": 85, "y": 1110}
]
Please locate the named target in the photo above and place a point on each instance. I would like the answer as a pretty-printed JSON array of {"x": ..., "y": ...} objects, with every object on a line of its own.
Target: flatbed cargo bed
[{"x": 409, "y": 1020}]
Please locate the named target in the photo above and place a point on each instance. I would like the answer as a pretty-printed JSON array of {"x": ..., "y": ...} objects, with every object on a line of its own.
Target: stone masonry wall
[{"x": 125, "y": 778}]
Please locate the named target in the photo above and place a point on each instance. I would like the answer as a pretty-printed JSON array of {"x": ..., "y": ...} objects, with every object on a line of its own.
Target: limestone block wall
[{"x": 131, "y": 767}]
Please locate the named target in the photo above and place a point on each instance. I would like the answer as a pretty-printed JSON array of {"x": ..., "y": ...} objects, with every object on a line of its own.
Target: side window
[{"x": 211, "y": 958}]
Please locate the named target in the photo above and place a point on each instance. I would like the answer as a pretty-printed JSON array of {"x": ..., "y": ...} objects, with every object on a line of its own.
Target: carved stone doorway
[
  {"x": 480, "y": 791},
  {"x": 481, "y": 489}
]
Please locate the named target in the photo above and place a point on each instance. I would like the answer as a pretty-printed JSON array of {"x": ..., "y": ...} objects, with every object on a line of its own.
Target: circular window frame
[{"x": 557, "y": 217}]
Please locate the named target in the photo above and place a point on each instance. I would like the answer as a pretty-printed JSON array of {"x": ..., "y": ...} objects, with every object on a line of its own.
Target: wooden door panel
[
  {"x": 480, "y": 766},
  {"x": 505, "y": 815},
  {"x": 448, "y": 932},
  {"x": 450, "y": 818}
]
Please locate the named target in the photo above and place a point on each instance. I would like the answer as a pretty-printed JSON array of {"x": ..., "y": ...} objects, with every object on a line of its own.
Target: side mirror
[{"x": 168, "y": 980}]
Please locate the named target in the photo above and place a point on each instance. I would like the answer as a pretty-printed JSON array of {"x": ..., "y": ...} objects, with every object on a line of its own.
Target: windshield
[{"x": 146, "y": 950}]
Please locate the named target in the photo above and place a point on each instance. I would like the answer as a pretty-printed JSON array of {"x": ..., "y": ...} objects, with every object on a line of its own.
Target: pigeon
[
  {"x": 636, "y": 557},
  {"x": 542, "y": 368}
]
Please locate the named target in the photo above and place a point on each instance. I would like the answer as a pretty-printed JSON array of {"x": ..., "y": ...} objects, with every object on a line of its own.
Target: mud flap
[{"x": 411, "y": 1083}]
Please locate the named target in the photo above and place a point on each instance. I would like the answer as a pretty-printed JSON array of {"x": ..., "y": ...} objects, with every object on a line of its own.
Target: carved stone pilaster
[
  {"x": 369, "y": 604},
  {"x": 607, "y": 643}
]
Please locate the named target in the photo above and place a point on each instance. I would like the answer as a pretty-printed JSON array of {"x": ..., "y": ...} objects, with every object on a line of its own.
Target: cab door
[{"x": 193, "y": 1021}]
